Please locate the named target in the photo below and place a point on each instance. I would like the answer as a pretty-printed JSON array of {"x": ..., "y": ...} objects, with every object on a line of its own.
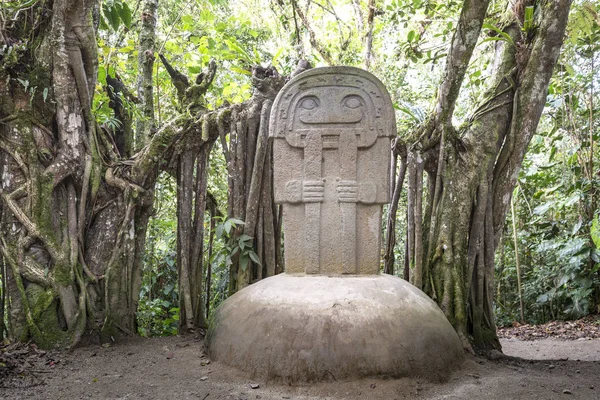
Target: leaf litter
[{"x": 584, "y": 328}]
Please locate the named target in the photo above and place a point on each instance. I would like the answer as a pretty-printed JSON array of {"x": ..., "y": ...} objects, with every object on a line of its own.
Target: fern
[{"x": 583, "y": 21}]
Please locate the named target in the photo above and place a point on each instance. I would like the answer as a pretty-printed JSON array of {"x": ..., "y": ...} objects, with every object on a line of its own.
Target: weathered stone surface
[
  {"x": 331, "y": 129},
  {"x": 314, "y": 328}
]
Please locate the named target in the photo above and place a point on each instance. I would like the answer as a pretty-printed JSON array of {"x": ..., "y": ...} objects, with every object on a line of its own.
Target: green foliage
[
  {"x": 158, "y": 312},
  {"x": 114, "y": 13},
  {"x": 234, "y": 244},
  {"x": 558, "y": 198}
]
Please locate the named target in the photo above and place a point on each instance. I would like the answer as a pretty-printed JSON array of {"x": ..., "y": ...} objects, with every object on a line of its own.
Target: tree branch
[
  {"x": 529, "y": 103},
  {"x": 312, "y": 35},
  {"x": 461, "y": 49}
]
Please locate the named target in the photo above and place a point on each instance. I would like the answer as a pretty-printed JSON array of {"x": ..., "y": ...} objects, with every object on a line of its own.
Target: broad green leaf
[
  {"x": 542, "y": 209},
  {"x": 168, "y": 288},
  {"x": 576, "y": 227},
  {"x": 254, "y": 257},
  {"x": 112, "y": 16},
  {"x": 244, "y": 263},
  {"x": 595, "y": 232},
  {"x": 24, "y": 82},
  {"x": 125, "y": 14}
]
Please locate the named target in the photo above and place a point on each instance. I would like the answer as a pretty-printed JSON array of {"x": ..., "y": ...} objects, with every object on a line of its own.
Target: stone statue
[
  {"x": 332, "y": 130},
  {"x": 332, "y": 315}
]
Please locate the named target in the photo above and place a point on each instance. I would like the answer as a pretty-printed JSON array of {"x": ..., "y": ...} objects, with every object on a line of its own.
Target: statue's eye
[
  {"x": 309, "y": 103},
  {"x": 352, "y": 102}
]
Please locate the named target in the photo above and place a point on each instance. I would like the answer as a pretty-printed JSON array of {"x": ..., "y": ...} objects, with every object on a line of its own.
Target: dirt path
[
  {"x": 175, "y": 368},
  {"x": 553, "y": 349}
]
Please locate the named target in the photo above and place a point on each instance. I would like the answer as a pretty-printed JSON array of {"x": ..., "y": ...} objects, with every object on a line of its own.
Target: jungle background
[{"x": 196, "y": 74}]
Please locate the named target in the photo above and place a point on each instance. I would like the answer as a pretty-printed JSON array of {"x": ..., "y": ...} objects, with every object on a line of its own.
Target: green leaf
[
  {"x": 103, "y": 23},
  {"x": 241, "y": 71},
  {"x": 493, "y": 39},
  {"x": 232, "y": 44},
  {"x": 125, "y": 14},
  {"x": 504, "y": 35},
  {"x": 595, "y": 232},
  {"x": 552, "y": 153},
  {"x": 411, "y": 36},
  {"x": 256, "y": 55},
  {"x": 542, "y": 209},
  {"x": 277, "y": 55},
  {"x": 112, "y": 16},
  {"x": 168, "y": 288},
  {"x": 528, "y": 20},
  {"x": 245, "y": 237},
  {"x": 45, "y": 94},
  {"x": 542, "y": 299},
  {"x": 254, "y": 257},
  {"x": 236, "y": 221},
  {"x": 227, "y": 225},
  {"x": 576, "y": 227},
  {"x": 244, "y": 263},
  {"x": 25, "y": 83}
]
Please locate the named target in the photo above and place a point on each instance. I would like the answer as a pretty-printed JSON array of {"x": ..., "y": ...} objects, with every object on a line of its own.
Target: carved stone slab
[{"x": 331, "y": 130}]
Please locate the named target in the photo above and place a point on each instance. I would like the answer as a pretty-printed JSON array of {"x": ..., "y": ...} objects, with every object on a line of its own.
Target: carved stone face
[
  {"x": 331, "y": 110},
  {"x": 343, "y": 99},
  {"x": 329, "y": 107}
]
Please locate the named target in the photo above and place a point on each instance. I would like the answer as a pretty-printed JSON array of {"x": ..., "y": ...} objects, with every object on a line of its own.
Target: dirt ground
[{"x": 176, "y": 368}]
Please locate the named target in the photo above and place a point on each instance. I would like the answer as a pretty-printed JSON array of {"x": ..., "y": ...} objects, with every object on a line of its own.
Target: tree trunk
[
  {"x": 472, "y": 171},
  {"x": 73, "y": 213},
  {"x": 249, "y": 164}
]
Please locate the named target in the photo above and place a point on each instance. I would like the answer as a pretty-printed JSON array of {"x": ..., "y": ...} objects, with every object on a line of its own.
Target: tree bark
[{"x": 472, "y": 170}]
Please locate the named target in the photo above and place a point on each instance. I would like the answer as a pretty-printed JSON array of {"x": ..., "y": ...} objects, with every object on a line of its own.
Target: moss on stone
[{"x": 44, "y": 307}]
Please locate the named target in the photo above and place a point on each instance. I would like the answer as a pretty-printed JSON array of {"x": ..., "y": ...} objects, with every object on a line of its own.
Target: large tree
[
  {"x": 76, "y": 197},
  {"x": 455, "y": 220}
]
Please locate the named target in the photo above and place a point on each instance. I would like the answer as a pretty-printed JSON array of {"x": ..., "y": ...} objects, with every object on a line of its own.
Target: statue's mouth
[{"x": 331, "y": 118}]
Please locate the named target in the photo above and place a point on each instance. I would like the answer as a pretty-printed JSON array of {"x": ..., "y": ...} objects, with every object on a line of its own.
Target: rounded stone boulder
[{"x": 300, "y": 328}]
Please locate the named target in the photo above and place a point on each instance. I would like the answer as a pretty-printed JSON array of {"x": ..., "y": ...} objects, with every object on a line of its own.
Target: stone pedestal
[
  {"x": 332, "y": 316},
  {"x": 314, "y": 328}
]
